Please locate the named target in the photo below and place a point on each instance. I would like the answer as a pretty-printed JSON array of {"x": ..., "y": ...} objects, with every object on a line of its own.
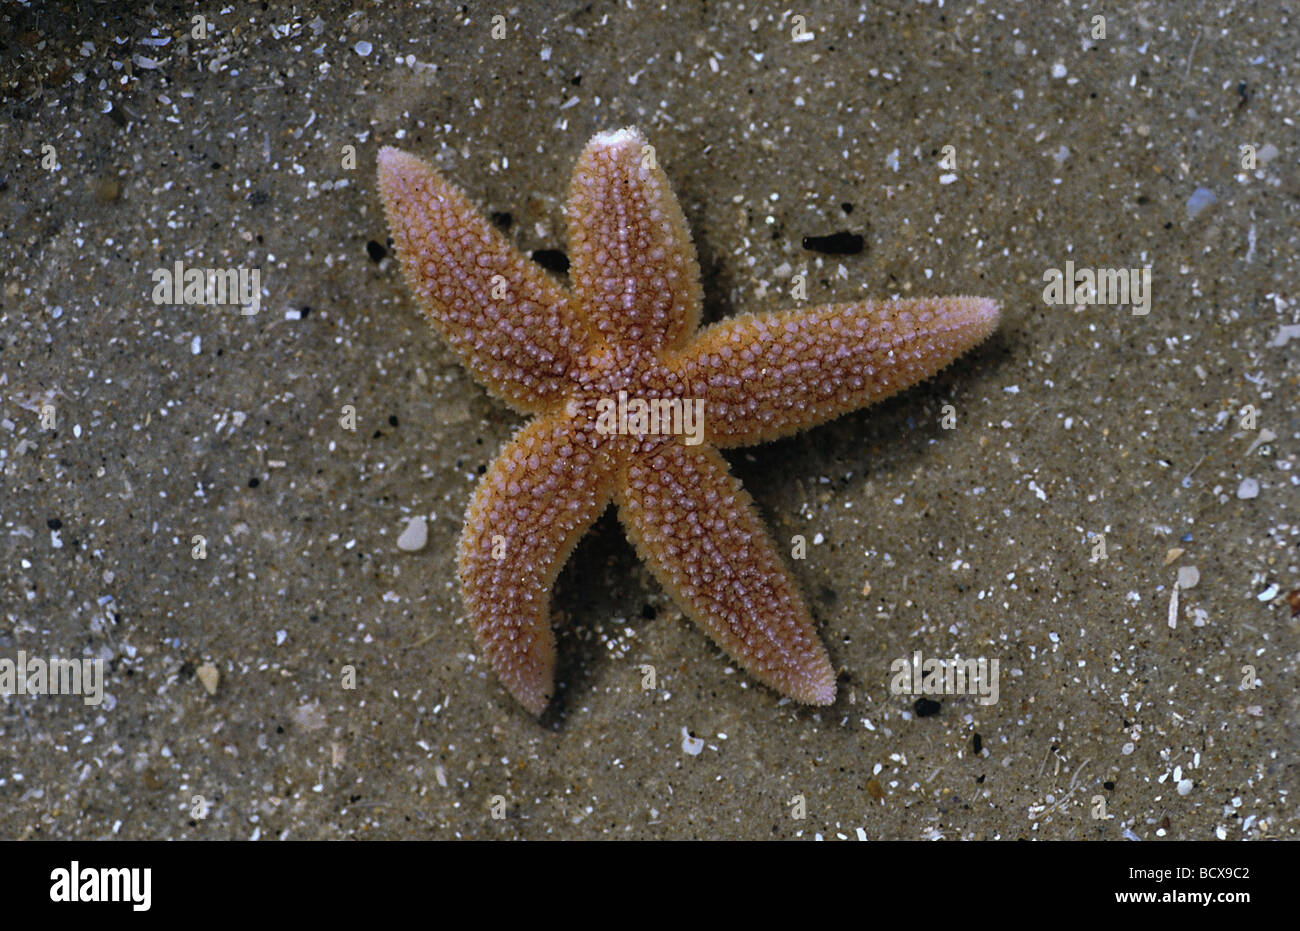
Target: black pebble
[
  {"x": 926, "y": 707},
  {"x": 254, "y": 482},
  {"x": 841, "y": 243},
  {"x": 54, "y": 523},
  {"x": 978, "y": 743},
  {"x": 377, "y": 251},
  {"x": 502, "y": 220}
]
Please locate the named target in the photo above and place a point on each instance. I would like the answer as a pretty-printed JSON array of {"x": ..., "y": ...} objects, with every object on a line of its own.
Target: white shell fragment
[{"x": 414, "y": 536}]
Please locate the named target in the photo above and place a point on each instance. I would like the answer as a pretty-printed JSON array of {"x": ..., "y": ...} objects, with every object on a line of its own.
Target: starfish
[{"x": 628, "y": 329}]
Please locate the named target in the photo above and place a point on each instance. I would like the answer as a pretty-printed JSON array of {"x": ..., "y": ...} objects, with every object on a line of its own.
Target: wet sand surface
[{"x": 1034, "y": 505}]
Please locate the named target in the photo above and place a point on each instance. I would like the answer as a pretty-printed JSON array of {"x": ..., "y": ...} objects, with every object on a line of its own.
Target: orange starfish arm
[
  {"x": 631, "y": 259},
  {"x": 764, "y": 376},
  {"x": 538, "y": 499},
  {"x": 517, "y": 333},
  {"x": 700, "y": 533}
]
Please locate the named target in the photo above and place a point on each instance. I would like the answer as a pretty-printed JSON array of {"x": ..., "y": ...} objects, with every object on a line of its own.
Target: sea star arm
[
  {"x": 700, "y": 533},
  {"x": 764, "y": 376},
  {"x": 514, "y": 327},
  {"x": 631, "y": 259},
  {"x": 540, "y": 496}
]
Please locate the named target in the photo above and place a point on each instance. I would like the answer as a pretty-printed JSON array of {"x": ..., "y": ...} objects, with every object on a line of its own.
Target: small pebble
[
  {"x": 107, "y": 190},
  {"x": 1200, "y": 199},
  {"x": 362, "y": 48},
  {"x": 1249, "y": 488},
  {"x": 926, "y": 707},
  {"x": 1188, "y": 576},
  {"x": 414, "y": 536},
  {"x": 691, "y": 745},
  {"x": 1285, "y": 334},
  {"x": 209, "y": 676},
  {"x": 1185, "y": 787},
  {"x": 310, "y": 717}
]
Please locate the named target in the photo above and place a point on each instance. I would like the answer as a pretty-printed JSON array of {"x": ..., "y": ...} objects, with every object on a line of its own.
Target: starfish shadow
[{"x": 592, "y": 593}]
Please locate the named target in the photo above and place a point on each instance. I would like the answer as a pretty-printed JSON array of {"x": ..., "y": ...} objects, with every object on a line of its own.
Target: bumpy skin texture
[{"x": 629, "y": 324}]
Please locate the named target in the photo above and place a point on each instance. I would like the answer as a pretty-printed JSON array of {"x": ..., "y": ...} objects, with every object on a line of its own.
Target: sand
[{"x": 210, "y": 501}]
